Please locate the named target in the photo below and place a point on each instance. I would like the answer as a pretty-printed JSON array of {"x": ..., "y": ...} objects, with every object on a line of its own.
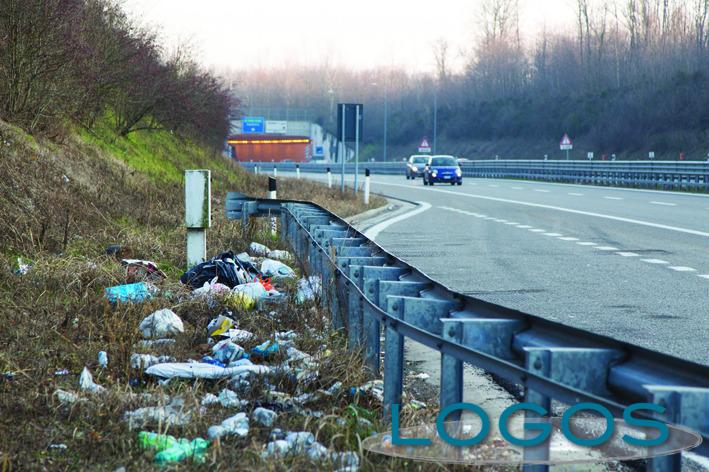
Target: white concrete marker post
[
  {"x": 329, "y": 178},
  {"x": 198, "y": 214},
  {"x": 256, "y": 170},
  {"x": 297, "y": 171},
  {"x": 275, "y": 171},
  {"x": 272, "y": 196},
  {"x": 366, "y": 186}
]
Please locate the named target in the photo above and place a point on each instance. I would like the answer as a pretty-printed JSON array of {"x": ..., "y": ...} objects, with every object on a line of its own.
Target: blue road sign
[{"x": 252, "y": 124}]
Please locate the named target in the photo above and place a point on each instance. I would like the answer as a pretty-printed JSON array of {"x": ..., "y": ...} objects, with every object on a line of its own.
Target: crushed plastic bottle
[
  {"x": 237, "y": 425},
  {"x": 150, "y": 440},
  {"x": 195, "y": 449},
  {"x": 103, "y": 359}
]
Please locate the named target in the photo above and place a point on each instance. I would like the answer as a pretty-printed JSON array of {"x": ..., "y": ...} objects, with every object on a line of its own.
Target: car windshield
[
  {"x": 419, "y": 160},
  {"x": 443, "y": 161}
]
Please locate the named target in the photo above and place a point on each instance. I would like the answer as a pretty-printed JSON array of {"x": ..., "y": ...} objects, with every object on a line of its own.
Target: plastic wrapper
[
  {"x": 161, "y": 324},
  {"x": 271, "y": 268},
  {"x": 87, "y": 384},
  {"x": 264, "y": 416}
]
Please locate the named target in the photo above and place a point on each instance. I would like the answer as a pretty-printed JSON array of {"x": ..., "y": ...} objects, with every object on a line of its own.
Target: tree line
[
  {"x": 81, "y": 61},
  {"x": 628, "y": 76}
]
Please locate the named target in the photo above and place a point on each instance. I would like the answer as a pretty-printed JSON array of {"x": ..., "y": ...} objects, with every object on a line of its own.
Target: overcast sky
[{"x": 356, "y": 33}]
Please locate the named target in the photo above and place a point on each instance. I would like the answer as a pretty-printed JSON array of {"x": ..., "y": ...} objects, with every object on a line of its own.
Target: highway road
[{"x": 630, "y": 264}]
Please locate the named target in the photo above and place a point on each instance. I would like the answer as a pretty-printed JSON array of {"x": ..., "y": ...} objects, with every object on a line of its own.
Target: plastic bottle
[
  {"x": 196, "y": 449},
  {"x": 103, "y": 359},
  {"x": 149, "y": 440}
]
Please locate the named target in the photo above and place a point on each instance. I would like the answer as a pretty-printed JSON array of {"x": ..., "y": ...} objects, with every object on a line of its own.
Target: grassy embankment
[{"x": 61, "y": 206}]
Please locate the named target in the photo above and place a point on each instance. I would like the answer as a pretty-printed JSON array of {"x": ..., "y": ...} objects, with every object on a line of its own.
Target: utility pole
[{"x": 386, "y": 93}]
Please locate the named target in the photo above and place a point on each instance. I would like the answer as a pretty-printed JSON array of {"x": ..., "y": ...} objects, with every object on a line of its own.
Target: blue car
[{"x": 442, "y": 169}]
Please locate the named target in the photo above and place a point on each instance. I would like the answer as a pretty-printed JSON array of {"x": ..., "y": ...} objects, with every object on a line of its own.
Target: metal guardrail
[
  {"x": 367, "y": 289},
  {"x": 665, "y": 175}
]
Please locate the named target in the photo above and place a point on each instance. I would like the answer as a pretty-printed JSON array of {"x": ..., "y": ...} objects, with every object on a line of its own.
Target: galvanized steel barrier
[
  {"x": 665, "y": 175},
  {"x": 368, "y": 290}
]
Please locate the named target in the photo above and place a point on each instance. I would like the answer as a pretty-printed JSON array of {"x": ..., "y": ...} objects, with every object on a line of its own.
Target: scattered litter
[
  {"x": 265, "y": 349},
  {"x": 281, "y": 400},
  {"x": 317, "y": 452},
  {"x": 346, "y": 460},
  {"x": 229, "y": 399},
  {"x": 264, "y": 416},
  {"x": 271, "y": 268},
  {"x": 300, "y": 440},
  {"x": 276, "y": 434},
  {"x": 61, "y": 372},
  {"x": 137, "y": 270},
  {"x": 161, "y": 323},
  {"x": 209, "y": 399},
  {"x": 309, "y": 288},
  {"x": 150, "y": 440},
  {"x": 237, "y": 425},
  {"x": 172, "y": 414},
  {"x": 227, "y": 270},
  {"x": 148, "y": 343},
  {"x": 195, "y": 449},
  {"x": 278, "y": 448},
  {"x": 212, "y": 361},
  {"x": 227, "y": 351},
  {"x": 67, "y": 397},
  {"x": 373, "y": 387},
  {"x": 22, "y": 267},
  {"x": 136, "y": 292},
  {"x": 417, "y": 405},
  {"x": 103, "y": 359},
  {"x": 143, "y": 361},
  {"x": 114, "y": 250},
  {"x": 87, "y": 384},
  {"x": 220, "y": 325},
  {"x": 420, "y": 376},
  {"x": 240, "y": 335},
  {"x": 279, "y": 255},
  {"x": 258, "y": 249},
  {"x": 198, "y": 370},
  {"x": 62, "y": 446}
]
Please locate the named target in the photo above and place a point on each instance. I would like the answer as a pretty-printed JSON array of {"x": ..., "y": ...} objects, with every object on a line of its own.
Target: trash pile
[{"x": 258, "y": 382}]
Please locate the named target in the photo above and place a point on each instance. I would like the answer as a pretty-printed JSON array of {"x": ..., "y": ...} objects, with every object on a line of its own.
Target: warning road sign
[
  {"x": 424, "y": 146},
  {"x": 566, "y": 144}
]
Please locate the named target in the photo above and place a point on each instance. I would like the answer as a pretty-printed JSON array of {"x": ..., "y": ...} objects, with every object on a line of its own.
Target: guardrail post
[
  {"x": 366, "y": 186},
  {"x": 451, "y": 390},
  {"x": 198, "y": 214},
  {"x": 354, "y": 309},
  {"x": 537, "y": 361},
  {"x": 393, "y": 359}
]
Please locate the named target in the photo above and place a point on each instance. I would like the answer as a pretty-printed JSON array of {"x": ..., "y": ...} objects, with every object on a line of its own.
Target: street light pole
[
  {"x": 385, "y": 119},
  {"x": 435, "y": 116}
]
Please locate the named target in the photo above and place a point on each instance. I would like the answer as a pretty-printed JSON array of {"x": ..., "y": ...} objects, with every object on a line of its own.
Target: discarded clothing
[
  {"x": 227, "y": 269},
  {"x": 137, "y": 270}
]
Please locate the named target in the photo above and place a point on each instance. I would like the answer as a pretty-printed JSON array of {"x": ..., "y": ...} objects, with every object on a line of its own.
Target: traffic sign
[
  {"x": 651, "y": 155},
  {"x": 424, "y": 146},
  {"x": 566, "y": 144},
  {"x": 252, "y": 124},
  {"x": 589, "y": 156}
]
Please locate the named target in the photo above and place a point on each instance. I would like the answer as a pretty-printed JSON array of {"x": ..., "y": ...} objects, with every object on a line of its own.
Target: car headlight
[
  {"x": 434, "y": 173},
  {"x": 414, "y": 168},
  {"x": 458, "y": 172}
]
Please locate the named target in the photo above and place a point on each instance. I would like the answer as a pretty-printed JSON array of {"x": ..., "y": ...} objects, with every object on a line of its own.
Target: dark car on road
[
  {"x": 414, "y": 166},
  {"x": 442, "y": 169}
]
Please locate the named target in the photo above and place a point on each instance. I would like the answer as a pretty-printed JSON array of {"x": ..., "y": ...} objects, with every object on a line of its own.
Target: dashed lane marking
[
  {"x": 627, "y": 254},
  {"x": 606, "y": 248},
  {"x": 542, "y": 190},
  {"x": 654, "y": 261},
  {"x": 537, "y": 230},
  {"x": 586, "y": 243},
  {"x": 613, "y": 198},
  {"x": 552, "y": 234},
  {"x": 664, "y": 204},
  {"x": 704, "y": 276},
  {"x": 576, "y": 194},
  {"x": 683, "y": 269},
  {"x": 568, "y": 238}
]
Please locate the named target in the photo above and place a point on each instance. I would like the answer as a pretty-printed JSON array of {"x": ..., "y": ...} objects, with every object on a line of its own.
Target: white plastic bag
[
  {"x": 280, "y": 255},
  {"x": 271, "y": 268},
  {"x": 87, "y": 384},
  {"x": 161, "y": 323},
  {"x": 309, "y": 288},
  {"x": 258, "y": 249},
  {"x": 237, "y": 425},
  {"x": 199, "y": 370}
]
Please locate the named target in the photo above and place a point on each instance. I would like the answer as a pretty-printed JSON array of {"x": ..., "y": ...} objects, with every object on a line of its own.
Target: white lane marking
[
  {"x": 606, "y": 248},
  {"x": 704, "y": 276},
  {"x": 569, "y": 238},
  {"x": 613, "y": 198},
  {"x": 537, "y": 230},
  {"x": 567, "y": 210},
  {"x": 541, "y": 190},
  {"x": 374, "y": 231},
  {"x": 654, "y": 261},
  {"x": 683, "y": 269},
  {"x": 664, "y": 203},
  {"x": 511, "y": 223},
  {"x": 552, "y": 234},
  {"x": 586, "y": 243},
  {"x": 498, "y": 220},
  {"x": 576, "y": 194},
  {"x": 523, "y": 226},
  {"x": 493, "y": 185},
  {"x": 516, "y": 188},
  {"x": 627, "y": 254}
]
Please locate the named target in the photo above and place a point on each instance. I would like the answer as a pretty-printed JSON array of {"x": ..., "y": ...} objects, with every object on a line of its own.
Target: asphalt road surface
[{"x": 630, "y": 264}]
